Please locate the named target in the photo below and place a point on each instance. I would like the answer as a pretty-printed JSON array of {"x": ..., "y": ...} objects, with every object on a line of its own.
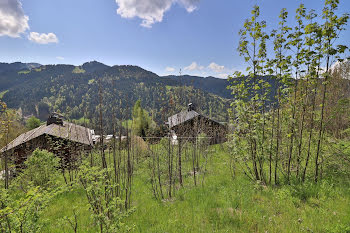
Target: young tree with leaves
[
  {"x": 250, "y": 97},
  {"x": 33, "y": 123},
  {"x": 331, "y": 28}
]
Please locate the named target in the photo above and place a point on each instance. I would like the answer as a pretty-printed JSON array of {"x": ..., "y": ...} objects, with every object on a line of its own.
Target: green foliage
[
  {"x": 226, "y": 205},
  {"x": 78, "y": 70},
  {"x": 76, "y": 94},
  {"x": 141, "y": 122},
  {"x": 33, "y": 123},
  {"x": 223, "y": 204},
  {"x": 251, "y": 98},
  {"x": 281, "y": 135},
  {"x": 10, "y": 125},
  {"x": 24, "y": 72},
  {"x": 3, "y": 93},
  {"x": 23, "y": 213},
  {"x": 72, "y": 221},
  {"x": 81, "y": 121},
  {"x": 41, "y": 170},
  {"x": 106, "y": 209},
  {"x": 268, "y": 135},
  {"x": 339, "y": 228}
]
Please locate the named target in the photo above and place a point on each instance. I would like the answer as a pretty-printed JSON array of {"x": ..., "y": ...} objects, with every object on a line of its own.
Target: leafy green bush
[
  {"x": 33, "y": 123},
  {"x": 22, "y": 214},
  {"x": 41, "y": 170},
  {"x": 106, "y": 208}
]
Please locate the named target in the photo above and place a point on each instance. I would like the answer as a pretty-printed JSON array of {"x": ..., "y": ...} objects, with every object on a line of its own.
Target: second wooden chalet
[{"x": 190, "y": 124}]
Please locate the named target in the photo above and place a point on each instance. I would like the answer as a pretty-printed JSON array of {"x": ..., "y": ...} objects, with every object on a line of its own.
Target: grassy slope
[{"x": 222, "y": 204}]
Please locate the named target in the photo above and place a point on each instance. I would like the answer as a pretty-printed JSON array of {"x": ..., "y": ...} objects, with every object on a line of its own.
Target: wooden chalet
[
  {"x": 66, "y": 140},
  {"x": 190, "y": 124}
]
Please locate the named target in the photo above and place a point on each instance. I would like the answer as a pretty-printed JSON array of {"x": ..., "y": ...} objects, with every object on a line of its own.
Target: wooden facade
[
  {"x": 191, "y": 124},
  {"x": 64, "y": 139}
]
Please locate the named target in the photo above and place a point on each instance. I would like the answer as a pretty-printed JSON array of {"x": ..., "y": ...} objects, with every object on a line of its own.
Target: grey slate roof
[
  {"x": 181, "y": 117},
  {"x": 68, "y": 131}
]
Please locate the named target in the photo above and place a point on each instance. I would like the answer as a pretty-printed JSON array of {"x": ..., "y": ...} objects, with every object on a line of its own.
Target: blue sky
[{"x": 198, "y": 36}]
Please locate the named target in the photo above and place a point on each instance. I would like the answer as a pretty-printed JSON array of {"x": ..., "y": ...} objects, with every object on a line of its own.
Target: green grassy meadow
[{"x": 220, "y": 203}]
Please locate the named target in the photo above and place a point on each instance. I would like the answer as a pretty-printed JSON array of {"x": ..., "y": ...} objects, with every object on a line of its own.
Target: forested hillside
[
  {"x": 74, "y": 91},
  {"x": 17, "y": 66},
  {"x": 210, "y": 84}
]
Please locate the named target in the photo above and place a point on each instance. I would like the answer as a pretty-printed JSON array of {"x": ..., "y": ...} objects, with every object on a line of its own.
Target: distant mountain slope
[
  {"x": 13, "y": 78},
  {"x": 17, "y": 66},
  {"x": 94, "y": 66},
  {"x": 210, "y": 84},
  {"x": 74, "y": 91}
]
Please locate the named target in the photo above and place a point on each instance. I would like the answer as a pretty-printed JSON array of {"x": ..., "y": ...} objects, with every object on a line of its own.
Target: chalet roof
[
  {"x": 68, "y": 131},
  {"x": 181, "y": 117},
  {"x": 187, "y": 115}
]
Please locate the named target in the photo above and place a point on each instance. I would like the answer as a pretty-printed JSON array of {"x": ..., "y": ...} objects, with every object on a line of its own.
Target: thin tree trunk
[
  {"x": 104, "y": 163},
  {"x": 159, "y": 177},
  {"x": 304, "y": 104},
  {"x": 277, "y": 137},
  {"x": 193, "y": 161},
  {"x": 115, "y": 157},
  {"x": 170, "y": 165},
  {"x": 320, "y": 135},
  {"x": 261, "y": 160},
  {"x": 311, "y": 129},
  {"x": 5, "y": 154},
  {"x": 293, "y": 126},
  {"x": 271, "y": 144},
  {"x": 180, "y": 165}
]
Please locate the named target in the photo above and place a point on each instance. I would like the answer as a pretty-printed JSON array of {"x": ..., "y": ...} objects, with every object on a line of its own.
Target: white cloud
[
  {"x": 193, "y": 66},
  {"x": 222, "y": 75},
  {"x": 13, "y": 22},
  {"x": 60, "y": 58},
  {"x": 169, "y": 69},
  {"x": 215, "y": 67},
  {"x": 43, "y": 38},
  {"x": 150, "y": 11},
  {"x": 190, "y": 5}
]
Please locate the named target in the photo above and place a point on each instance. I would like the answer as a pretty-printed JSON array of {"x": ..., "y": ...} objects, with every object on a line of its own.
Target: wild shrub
[
  {"x": 283, "y": 135},
  {"x": 33, "y": 123},
  {"x": 107, "y": 209},
  {"x": 40, "y": 170},
  {"x": 23, "y": 214}
]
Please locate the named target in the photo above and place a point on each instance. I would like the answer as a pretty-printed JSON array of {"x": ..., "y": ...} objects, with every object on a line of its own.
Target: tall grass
[{"x": 222, "y": 204}]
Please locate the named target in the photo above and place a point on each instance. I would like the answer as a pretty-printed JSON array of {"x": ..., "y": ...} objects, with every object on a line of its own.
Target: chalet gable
[{"x": 63, "y": 130}]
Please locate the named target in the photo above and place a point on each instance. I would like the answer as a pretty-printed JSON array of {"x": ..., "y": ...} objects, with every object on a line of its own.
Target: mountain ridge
[
  {"x": 17, "y": 66},
  {"x": 74, "y": 90}
]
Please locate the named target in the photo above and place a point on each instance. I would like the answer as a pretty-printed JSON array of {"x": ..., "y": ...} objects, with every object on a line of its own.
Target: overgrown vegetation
[
  {"x": 285, "y": 142},
  {"x": 285, "y": 166},
  {"x": 33, "y": 123}
]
